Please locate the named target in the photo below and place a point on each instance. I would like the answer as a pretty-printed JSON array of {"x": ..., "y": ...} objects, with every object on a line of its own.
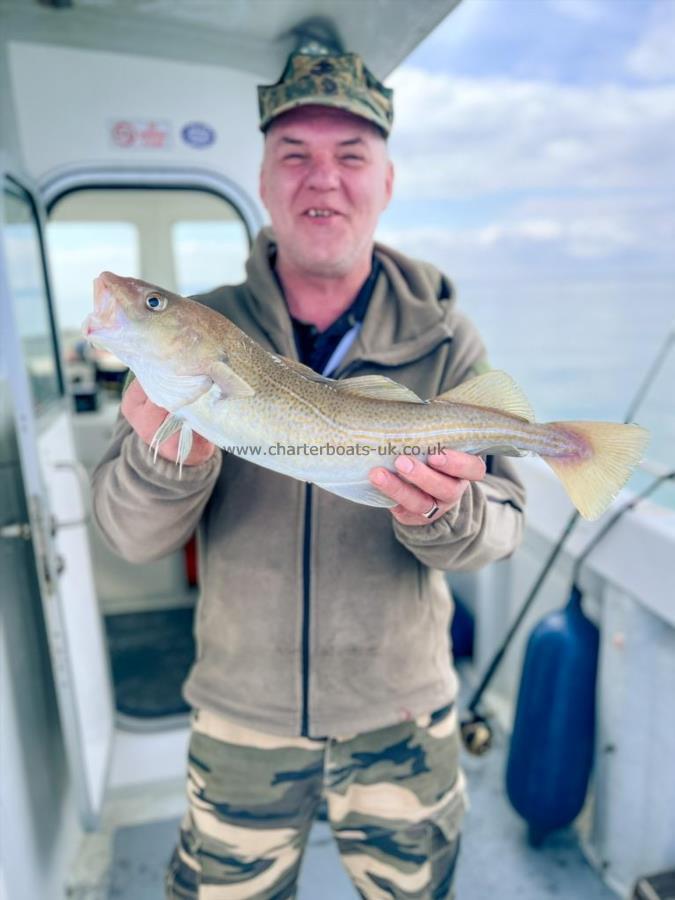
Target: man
[{"x": 323, "y": 662}]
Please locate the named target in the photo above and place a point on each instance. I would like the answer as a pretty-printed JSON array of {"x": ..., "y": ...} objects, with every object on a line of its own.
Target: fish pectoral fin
[
  {"x": 357, "y": 491},
  {"x": 378, "y": 387},
  {"x": 493, "y": 390},
  {"x": 231, "y": 384},
  {"x": 169, "y": 390}
]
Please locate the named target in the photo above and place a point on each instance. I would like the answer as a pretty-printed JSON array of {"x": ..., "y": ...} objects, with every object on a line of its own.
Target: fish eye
[{"x": 155, "y": 302}]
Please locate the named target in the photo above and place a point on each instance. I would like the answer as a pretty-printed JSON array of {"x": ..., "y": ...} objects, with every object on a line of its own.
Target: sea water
[{"x": 582, "y": 350}]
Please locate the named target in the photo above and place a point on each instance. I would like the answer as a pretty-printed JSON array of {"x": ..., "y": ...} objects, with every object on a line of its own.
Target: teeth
[{"x": 319, "y": 212}]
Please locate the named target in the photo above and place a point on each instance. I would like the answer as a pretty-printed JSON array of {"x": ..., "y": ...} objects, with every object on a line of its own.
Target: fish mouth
[{"x": 107, "y": 317}]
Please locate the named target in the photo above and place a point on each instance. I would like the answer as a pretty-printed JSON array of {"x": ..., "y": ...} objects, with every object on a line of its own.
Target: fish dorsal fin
[
  {"x": 493, "y": 390},
  {"x": 301, "y": 369},
  {"x": 377, "y": 387},
  {"x": 231, "y": 384}
]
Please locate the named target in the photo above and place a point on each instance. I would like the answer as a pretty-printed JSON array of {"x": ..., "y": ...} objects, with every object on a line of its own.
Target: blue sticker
[{"x": 197, "y": 134}]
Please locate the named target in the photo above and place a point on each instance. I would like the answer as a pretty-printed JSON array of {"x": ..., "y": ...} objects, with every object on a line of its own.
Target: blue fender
[
  {"x": 462, "y": 630},
  {"x": 551, "y": 750}
]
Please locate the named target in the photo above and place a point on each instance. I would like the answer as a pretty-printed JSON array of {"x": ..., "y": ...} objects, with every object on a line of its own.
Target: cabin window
[
  {"x": 78, "y": 251},
  {"x": 28, "y": 287},
  {"x": 209, "y": 243},
  {"x": 184, "y": 240},
  {"x": 208, "y": 253}
]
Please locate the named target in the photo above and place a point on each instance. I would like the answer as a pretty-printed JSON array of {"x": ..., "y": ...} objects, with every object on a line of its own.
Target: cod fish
[{"x": 215, "y": 380}]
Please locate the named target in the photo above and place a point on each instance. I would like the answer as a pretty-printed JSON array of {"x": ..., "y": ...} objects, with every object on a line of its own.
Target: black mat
[{"x": 151, "y": 654}]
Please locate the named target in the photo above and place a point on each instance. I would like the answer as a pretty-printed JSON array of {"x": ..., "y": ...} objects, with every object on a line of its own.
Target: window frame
[
  {"x": 56, "y": 187},
  {"x": 12, "y": 185}
]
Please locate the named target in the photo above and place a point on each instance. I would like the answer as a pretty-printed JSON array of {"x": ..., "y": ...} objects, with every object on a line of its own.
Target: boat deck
[{"x": 495, "y": 861}]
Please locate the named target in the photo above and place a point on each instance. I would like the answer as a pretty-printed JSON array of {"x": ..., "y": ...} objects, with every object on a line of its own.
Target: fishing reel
[{"x": 476, "y": 733}]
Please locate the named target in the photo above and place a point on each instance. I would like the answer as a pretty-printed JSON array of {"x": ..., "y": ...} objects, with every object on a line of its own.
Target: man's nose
[{"x": 323, "y": 174}]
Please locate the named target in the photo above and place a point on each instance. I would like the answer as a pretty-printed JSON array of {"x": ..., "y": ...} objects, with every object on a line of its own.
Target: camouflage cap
[{"x": 340, "y": 80}]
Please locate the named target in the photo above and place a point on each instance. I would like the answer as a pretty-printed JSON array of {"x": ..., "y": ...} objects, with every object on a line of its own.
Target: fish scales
[{"x": 215, "y": 380}]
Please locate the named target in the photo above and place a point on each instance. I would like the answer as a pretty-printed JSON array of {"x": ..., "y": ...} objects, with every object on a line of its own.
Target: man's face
[{"x": 325, "y": 179}]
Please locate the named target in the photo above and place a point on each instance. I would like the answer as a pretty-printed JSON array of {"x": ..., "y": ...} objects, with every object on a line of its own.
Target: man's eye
[
  {"x": 294, "y": 156},
  {"x": 352, "y": 157}
]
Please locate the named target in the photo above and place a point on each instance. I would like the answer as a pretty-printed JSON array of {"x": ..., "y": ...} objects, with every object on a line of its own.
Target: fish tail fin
[{"x": 608, "y": 454}]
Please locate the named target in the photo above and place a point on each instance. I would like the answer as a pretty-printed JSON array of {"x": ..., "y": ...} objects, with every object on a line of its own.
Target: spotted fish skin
[
  {"x": 395, "y": 799},
  {"x": 218, "y": 382}
]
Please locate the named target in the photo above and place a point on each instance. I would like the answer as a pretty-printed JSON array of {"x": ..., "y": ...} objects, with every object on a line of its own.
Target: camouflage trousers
[{"x": 395, "y": 799}]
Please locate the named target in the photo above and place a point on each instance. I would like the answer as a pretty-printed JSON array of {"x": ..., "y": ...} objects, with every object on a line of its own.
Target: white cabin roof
[{"x": 252, "y": 35}]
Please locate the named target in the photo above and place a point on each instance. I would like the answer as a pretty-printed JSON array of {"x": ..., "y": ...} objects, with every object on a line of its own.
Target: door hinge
[{"x": 20, "y": 530}]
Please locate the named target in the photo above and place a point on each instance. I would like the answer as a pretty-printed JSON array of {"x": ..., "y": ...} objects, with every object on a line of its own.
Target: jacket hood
[{"x": 409, "y": 314}]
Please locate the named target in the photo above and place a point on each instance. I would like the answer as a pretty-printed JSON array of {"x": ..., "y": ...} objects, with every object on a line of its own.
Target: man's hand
[
  {"x": 441, "y": 480},
  {"x": 145, "y": 417}
]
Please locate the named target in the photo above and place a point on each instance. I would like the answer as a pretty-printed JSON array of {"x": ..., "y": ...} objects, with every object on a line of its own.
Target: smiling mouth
[{"x": 317, "y": 212}]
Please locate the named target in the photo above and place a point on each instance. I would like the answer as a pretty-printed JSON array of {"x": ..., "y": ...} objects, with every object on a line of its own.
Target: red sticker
[{"x": 141, "y": 134}]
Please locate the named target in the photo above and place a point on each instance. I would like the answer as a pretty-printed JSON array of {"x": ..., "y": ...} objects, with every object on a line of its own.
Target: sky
[
  {"x": 540, "y": 134},
  {"x": 534, "y": 147}
]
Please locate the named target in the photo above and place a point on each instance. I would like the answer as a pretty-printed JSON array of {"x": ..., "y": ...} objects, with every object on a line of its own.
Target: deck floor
[{"x": 495, "y": 861}]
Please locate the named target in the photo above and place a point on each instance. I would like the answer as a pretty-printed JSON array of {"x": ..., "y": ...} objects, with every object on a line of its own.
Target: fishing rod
[
  {"x": 631, "y": 504},
  {"x": 475, "y": 728}
]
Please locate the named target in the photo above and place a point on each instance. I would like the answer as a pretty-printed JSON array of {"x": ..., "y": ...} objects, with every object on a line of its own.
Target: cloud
[
  {"x": 570, "y": 299},
  {"x": 581, "y": 10},
  {"x": 463, "y": 137},
  {"x": 653, "y": 57},
  {"x": 559, "y": 237}
]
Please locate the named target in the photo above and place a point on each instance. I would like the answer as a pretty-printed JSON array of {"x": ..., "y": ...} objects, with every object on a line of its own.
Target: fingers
[
  {"x": 441, "y": 487},
  {"x": 133, "y": 397},
  {"x": 459, "y": 465},
  {"x": 416, "y": 486},
  {"x": 145, "y": 417},
  {"x": 405, "y": 517},
  {"x": 414, "y": 503}
]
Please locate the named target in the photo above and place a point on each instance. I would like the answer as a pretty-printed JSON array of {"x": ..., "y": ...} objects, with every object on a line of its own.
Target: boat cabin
[{"x": 129, "y": 142}]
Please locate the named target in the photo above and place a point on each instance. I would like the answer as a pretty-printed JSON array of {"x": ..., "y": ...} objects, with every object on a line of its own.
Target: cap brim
[{"x": 364, "y": 111}]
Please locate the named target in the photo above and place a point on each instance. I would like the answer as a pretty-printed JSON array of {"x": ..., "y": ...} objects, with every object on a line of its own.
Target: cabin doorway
[{"x": 188, "y": 239}]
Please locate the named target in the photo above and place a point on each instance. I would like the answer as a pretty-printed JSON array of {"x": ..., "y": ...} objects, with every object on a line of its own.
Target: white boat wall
[{"x": 138, "y": 116}]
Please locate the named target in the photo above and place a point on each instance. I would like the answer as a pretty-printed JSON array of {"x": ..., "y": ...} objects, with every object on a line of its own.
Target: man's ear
[
  {"x": 389, "y": 182},
  {"x": 262, "y": 187}
]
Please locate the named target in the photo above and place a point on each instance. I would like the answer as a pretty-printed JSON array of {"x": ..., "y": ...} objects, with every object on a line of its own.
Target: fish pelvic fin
[
  {"x": 358, "y": 492},
  {"x": 595, "y": 476},
  {"x": 184, "y": 447},
  {"x": 170, "y": 426},
  {"x": 493, "y": 390}
]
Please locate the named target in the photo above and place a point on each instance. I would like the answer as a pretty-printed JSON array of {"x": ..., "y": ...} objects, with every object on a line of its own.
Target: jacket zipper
[{"x": 306, "y": 587}]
